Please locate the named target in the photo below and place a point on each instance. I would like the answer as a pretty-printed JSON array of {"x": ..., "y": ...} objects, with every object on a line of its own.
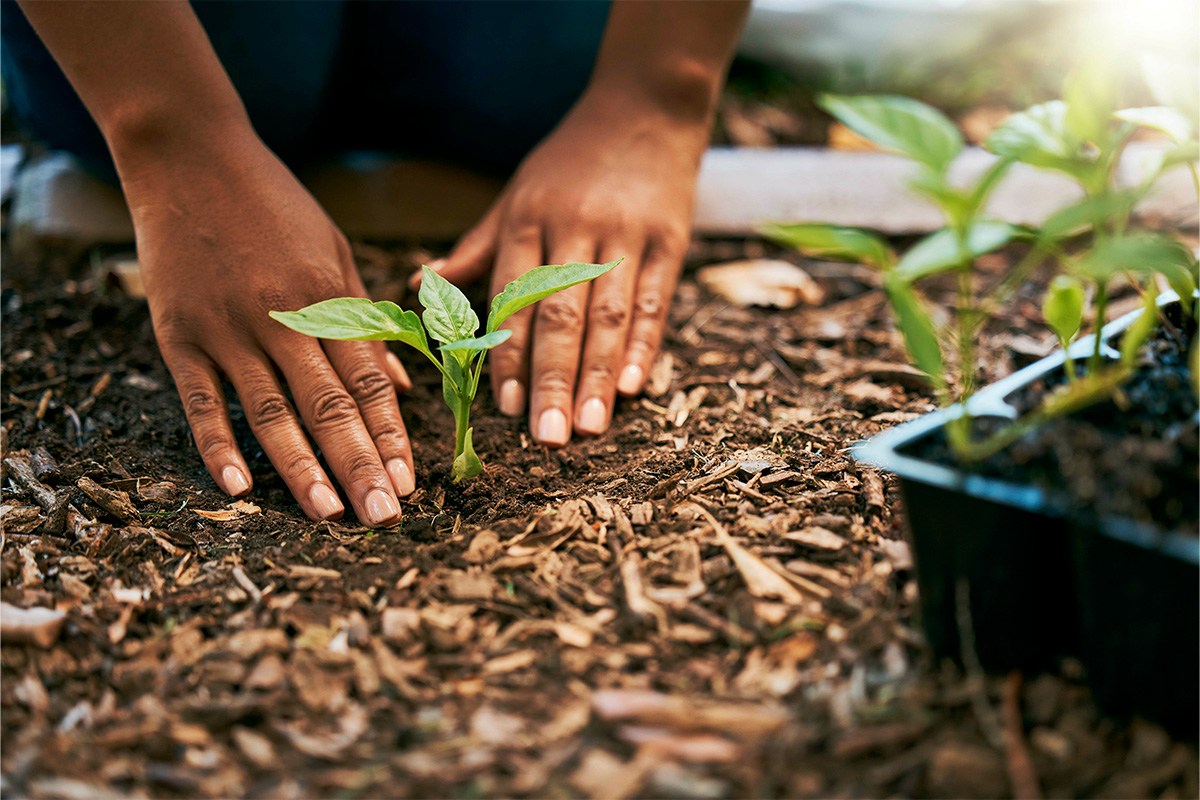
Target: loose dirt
[{"x": 712, "y": 599}]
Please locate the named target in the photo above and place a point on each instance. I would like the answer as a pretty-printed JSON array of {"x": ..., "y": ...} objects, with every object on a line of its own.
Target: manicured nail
[
  {"x": 325, "y": 501},
  {"x": 399, "y": 374},
  {"x": 381, "y": 507},
  {"x": 235, "y": 481},
  {"x": 592, "y": 416},
  {"x": 631, "y": 378},
  {"x": 512, "y": 398},
  {"x": 552, "y": 427},
  {"x": 402, "y": 477}
]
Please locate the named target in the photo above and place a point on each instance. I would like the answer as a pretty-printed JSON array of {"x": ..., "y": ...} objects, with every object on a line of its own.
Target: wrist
[
  {"x": 144, "y": 136},
  {"x": 681, "y": 89}
]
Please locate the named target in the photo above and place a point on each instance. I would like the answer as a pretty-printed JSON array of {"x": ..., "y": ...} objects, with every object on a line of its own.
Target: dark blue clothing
[{"x": 474, "y": 82}]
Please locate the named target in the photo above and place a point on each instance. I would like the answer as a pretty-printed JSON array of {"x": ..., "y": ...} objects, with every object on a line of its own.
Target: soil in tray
[{"x": 1135, "y": 456}]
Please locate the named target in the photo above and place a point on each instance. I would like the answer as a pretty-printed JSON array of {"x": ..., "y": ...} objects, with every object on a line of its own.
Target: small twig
[
  {"x": 243, "y": 580},
  {"x": 772, "y": 355},
  {"x": 1021, "y": 773},
  {"x": 985, "y": 715},
  {"x": 731, "y": 630}
]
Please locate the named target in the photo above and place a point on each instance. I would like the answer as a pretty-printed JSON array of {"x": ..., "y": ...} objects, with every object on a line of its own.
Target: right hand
[{"x": 223, "y": 237}]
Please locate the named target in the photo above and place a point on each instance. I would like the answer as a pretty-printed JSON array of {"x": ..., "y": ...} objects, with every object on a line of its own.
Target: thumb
[{"x": 472, "y": 257}]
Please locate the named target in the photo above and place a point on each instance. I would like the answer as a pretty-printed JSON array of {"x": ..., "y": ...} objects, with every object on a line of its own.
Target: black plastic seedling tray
[{"x": 1040, "y": 583}]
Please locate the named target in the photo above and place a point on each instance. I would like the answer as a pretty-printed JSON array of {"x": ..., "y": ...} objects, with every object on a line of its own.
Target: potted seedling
[
  {"x": 1004, "y": 553},
  {"x": 448, "y": 319}
]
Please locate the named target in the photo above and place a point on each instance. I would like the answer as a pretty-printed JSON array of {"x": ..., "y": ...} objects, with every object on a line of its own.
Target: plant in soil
[
  {"x": 1089, "y": 242},
  {"x": 449, "y": 319}
]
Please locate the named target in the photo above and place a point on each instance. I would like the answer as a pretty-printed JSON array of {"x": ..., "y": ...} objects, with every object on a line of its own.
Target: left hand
[{"x": 612, "y": 181}]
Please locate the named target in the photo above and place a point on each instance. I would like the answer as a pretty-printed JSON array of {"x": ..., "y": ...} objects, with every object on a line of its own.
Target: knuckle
[
  {"x": 392, "y": 438},
  {"x": 506, "y": 360},
  {"x": 331, "y": 405},
  {"x": 212, "y": 444},
  {"x": 297, "y": 462},
  {"x": 269, "y": 408},
  {"x": 555, "y": 380},
  {"x": 650, "y": 305},
  {"x": 560, "y": 313},
  {"x": 369, "y": 386},
  {"x": 602, "y": 372},
  {"x": 609, "y": 312},
  {"x": 672, "y": 240},
  {"x": 361, "y": 467},
  {"x": 201, "y": 403}
]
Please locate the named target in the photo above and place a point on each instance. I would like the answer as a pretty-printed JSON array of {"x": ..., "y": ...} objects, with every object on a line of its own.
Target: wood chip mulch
[{"x": 710, "y": 600}]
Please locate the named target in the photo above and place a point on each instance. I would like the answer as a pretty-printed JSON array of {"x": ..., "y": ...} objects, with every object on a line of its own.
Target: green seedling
[
  {"x": 1083, "y": 135},
  {"x": 1063, "y": 309},
  {"x": 449, "y": 319},
  {"x": 931, "y": 141}
]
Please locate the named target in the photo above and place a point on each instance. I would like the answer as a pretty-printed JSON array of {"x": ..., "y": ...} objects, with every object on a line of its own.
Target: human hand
[
  {"x": 611, "y": 182},
  {"x": 224, "y": 237}
]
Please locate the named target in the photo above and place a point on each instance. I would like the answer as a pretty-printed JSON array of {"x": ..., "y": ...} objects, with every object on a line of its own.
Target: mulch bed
[{"x": 712, "y": 599}]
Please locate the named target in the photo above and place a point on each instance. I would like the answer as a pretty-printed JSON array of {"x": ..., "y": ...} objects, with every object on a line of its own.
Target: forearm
[
  {"x": 145, "y": 70},
  {"x": 668, "y": 55}
]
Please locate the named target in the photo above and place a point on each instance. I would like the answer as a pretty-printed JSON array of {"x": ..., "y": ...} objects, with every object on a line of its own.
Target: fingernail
[
  {"x": 381, "y": 507},
  {"x": 437, "y": 265},
  {"x": 402, "y": 477},
  {"x": 399, "y": 374},
  {"x": 631, "y": 378},
  {"x": 325, "y": 502},
  {"x": 512, "y": 398},
  {"x": 235, "y": 481},
  {"x": 552, "y": 427},
  {"x": 593, "y": 416}
]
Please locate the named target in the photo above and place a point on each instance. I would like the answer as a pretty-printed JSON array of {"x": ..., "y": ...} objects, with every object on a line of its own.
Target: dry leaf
[
  {"x": 41, "y": 626},
  {"x": 762, "y": 282},
  {"x": 305, "y": 571},
  {"x": 692, "y": 747},
  {"x": 352, "y": 724},
  {"x": 818, "y": 537},
  {"x": 510, "y": 662},
  {"x": 235, "y": 510}
]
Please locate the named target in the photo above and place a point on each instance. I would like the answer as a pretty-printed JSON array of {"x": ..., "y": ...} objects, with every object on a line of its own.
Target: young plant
[
  {"x": 449, "y": 319},
  {"x": 1083, "y": 136},
  {"x": 931, "y": 141}
]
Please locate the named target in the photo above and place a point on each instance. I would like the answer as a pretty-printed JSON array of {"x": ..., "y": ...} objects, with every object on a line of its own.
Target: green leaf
[
  {"x": 902, "y": 124},
  {"x": 485, "y": 342},
  {"x": 1090, "y": 94},
  {"x": 1186, "y": 153},
  {"x": 456, "y": 384},
  {"x": 1136, "y": 334},
  {"x": 448, "y": 314},
  {"x": 466, "y": 464},
  {"x": 1063, "y": 306},
  {"x": 357, "y": 319},
  {"x": 834, "y": 242},
  {"x": 916, "y": 326},
  {"x": 1168, "y": 121},
  {"x": 941, "y": 251},
  {"x": 1138, "y": 253},
  {"x": 539, "y": 283},
  {"x": 1090, "y": 212},
  {"x": 1039, "y": 136}
]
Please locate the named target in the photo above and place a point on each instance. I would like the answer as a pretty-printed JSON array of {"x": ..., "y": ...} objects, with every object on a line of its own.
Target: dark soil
[{"x": 709, "y": 600}]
